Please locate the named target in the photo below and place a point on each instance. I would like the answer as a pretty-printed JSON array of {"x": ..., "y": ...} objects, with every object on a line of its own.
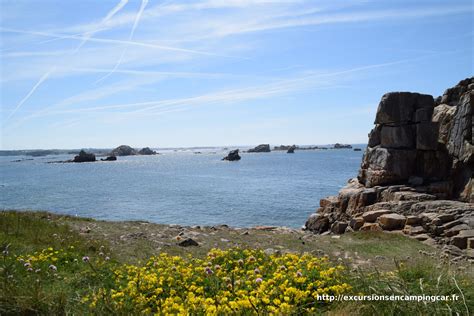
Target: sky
[{"x": 98, "y": 74}]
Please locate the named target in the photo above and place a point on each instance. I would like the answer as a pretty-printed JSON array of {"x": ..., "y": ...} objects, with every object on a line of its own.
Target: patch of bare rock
[{"x": 416, "y": 175}]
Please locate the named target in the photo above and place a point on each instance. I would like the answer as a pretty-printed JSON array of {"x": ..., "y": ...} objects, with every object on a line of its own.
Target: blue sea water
[{"x": 181, "y": 187}]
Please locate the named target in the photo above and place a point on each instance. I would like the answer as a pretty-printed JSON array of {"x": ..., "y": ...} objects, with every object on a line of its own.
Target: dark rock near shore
[
  {"x": 416, "y": 174},
  {"x": 123, "y": 150},
  {"x": 84, "y": 157},
  {"x": 232, "y": 156},
  {"x": 147, "y": 151},
  {"x": 291, "y": 150},
  {"x": 263, "y": 148}
]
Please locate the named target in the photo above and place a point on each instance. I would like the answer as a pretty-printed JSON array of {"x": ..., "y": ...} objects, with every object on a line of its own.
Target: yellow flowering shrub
[{"x": 226, "y": 281}]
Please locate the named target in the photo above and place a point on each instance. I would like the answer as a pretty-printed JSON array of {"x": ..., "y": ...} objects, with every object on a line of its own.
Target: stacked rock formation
[{"x": 416, "y": 173}]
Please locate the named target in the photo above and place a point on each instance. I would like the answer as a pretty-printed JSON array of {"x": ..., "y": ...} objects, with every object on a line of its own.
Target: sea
[{"x": 184, "y": 187}]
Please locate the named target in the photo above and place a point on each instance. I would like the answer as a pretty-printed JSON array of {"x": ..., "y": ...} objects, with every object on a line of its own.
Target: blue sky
[{"x": 159, "y": 73}]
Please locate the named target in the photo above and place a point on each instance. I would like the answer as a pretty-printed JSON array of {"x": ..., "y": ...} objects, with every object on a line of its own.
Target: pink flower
[
  {"x": 258, "y": 280},
  {"x": 85, "y": 259},
  {"x": 53, "y": 267},
  {"x": 27, "y": 264}
]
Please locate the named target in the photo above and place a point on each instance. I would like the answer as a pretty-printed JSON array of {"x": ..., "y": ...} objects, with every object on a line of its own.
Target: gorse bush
[
  {"x": 48, "y": 269},
  {"x": 232, "y": 281}
]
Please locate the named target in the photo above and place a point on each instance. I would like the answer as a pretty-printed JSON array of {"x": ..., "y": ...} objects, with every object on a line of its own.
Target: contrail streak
[
  {"x": 132, "y": 32},
  {"x": 123, "y": 42},
  {"x": 40, "y": 81},
  {"x": 86, "y": 37},
  {"x": 114, "y": 11}
]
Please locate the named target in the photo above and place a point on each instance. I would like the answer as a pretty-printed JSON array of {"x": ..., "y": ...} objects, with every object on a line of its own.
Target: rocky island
[
  {"x": 416, "y": 173},
  {"x": 232, "y": 156},
  {"x": 263, "y": 148}
]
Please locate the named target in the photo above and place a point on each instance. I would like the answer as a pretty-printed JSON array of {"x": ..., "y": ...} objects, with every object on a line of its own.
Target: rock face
[
  {"x": 147, "y": 151},
  {"x": 263, "y": 148},
  {"x": 123, "y": 150},
  {"x": 416, "y": 173},
  {"x": 232, "y": 156},
  {"x": 84, "y": 157}
]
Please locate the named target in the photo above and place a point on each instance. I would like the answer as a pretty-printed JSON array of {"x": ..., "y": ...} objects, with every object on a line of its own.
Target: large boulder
[
  {"x": 263, "y": 148},
  {"x": 232, "y": 156},
  {"x": 392, "y": 221},
  {"x": 398, "y": 108},
  {"x": 84, "y": 157},
  {"x": 381, "y": 166},
  {"x": 123, "y": 150}
]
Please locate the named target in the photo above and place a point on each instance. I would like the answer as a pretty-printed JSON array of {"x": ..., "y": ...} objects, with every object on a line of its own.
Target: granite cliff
[{"x": 416, "y": 173}]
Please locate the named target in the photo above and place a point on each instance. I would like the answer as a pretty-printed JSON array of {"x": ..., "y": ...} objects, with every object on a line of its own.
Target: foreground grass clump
[
  {"x": 446, "y": 291},
  {"x": 233, "y": 281}
]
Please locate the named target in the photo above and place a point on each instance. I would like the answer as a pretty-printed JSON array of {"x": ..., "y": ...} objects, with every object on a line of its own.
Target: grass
[{"x": 375, "y": 263}]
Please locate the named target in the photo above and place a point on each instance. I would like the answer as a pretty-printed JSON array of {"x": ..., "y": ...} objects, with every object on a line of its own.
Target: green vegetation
[{"x": 51, "y": 266}]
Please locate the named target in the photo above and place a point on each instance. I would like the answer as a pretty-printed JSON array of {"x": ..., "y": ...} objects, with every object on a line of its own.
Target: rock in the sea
[
  {"x": 232, "y": 156},
  {"x": 291, "y": 150},
  {"x": 109, "y": 158},
  {"x": 147, "y": 151},
  {"x": 84, "y": 157},
  {"x": 123, "y": 150},
  {"x": 263, "y": 148},
  {"x": 342, "y": 146}
]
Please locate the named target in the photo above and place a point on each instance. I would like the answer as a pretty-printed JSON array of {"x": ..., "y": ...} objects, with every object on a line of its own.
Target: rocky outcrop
[
  {"x": 147, "y": 151},
  {"x": 416, "y": 173},
  {"x": 263, "y": 148},
  {"x": 291, "y": 150},
  {"x": 232, "y": 156},
  {"x": 123, "y": 150},
  {"x": 84, "y": 157}
]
